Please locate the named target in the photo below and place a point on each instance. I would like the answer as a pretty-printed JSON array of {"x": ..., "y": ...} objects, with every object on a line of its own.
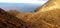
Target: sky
[
  {"x": 21, "y": 5},
  {"x": 23, "y": 1}
]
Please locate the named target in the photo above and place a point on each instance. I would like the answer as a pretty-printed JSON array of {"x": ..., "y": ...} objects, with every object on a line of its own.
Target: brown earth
[{"x": 9, "y": 21}]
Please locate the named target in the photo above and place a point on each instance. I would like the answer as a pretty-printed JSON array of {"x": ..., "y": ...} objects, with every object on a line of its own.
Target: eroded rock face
[{"x": 9, "y": 21}]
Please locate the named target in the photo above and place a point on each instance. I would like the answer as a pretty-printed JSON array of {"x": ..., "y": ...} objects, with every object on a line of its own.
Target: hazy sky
[{"x": 23, "y": 1}]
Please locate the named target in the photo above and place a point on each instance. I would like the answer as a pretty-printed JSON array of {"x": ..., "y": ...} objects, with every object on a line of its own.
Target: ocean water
[{"x": 23, "y": 7}]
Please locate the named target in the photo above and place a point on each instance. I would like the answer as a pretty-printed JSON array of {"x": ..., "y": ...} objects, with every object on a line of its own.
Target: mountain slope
[
  {"x": 9, "y": 21},
  {"x": 47, "y": 16}
]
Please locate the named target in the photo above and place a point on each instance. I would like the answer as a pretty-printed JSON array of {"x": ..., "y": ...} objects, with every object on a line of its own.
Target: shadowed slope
[{"x": 9, "y": 21}]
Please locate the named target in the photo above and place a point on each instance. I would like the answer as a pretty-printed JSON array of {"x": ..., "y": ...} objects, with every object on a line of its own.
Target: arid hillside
[
  {"x": 50, "y": 5},
  {"x": 46, "y": 16}
]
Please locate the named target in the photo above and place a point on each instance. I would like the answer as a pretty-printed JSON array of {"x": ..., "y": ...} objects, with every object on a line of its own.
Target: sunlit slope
[
  {"x": 48, "y": 19},
  {"x": 48, "y": 16},
  {"x": 50, "y": 5}
]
